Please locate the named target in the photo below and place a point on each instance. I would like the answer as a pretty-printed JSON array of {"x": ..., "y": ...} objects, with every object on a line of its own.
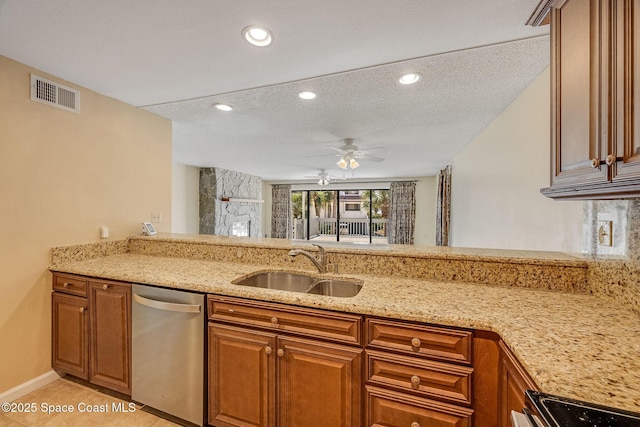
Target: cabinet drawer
[
  {"x": 339, "y": 327},
  {"x": 426, "y": 378},
  {"x": 426, "y": 341},
  {"x": 73, "y": 285},
  {"x": 392, "y": 409}
]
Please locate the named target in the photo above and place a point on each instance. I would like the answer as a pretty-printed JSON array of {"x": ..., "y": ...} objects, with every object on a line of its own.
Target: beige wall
[
  {"x": 61, "y": 176},
  {"x": 496, "y": 202}
]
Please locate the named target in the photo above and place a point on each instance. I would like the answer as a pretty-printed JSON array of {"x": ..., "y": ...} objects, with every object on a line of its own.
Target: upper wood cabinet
[{"x": 594, "y": 149}]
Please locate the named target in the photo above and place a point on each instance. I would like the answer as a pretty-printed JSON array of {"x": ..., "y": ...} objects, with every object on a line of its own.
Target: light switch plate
[{"x": 605, "y": 233}]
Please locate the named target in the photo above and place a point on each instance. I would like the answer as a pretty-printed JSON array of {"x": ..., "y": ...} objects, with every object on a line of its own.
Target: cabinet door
[
  {"x": 110, "y": 314},
  {"x": 627, "y": 96},
  {"x": 514, "y": 381},
  {"x": 319, "y": 384},
  {"x": 70, "y": 335},
  {"x": 242, "y": 366},
  {"x": 579, "y": 92}
]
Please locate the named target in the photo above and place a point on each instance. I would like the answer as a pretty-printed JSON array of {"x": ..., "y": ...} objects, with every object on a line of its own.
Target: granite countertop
[{"x": 576, "y": 345}]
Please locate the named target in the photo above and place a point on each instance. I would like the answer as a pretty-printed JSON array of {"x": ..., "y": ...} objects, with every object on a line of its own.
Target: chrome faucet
[{"x": 320, "y": 262}]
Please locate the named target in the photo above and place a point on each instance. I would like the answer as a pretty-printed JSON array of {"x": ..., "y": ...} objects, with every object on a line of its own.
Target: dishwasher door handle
[{"x": 167, "y": 306}]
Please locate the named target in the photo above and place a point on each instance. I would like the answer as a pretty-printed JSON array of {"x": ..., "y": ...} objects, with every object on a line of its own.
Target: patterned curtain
[
  {"x": 443, "y": 210},
  {"x": 402, "y": 212},
  {"x": 281, "y": 211}
]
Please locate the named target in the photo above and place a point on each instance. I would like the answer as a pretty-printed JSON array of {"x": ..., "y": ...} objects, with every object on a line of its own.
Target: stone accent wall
[{"x": 217, "y": 217}]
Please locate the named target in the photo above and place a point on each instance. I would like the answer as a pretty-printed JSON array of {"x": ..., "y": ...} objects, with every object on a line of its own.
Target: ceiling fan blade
[
  {"x": 369, "y": 157},
  {"x": 338, "y": 149}
]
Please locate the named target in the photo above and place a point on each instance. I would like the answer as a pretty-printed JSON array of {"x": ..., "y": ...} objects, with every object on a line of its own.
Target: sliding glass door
[{"x": 352, "y": 216}]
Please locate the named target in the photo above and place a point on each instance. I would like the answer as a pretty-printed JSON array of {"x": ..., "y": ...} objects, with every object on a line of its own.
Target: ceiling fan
[
  {"x": 350, "y": 154},
  {"x": 324, "y": 177}
]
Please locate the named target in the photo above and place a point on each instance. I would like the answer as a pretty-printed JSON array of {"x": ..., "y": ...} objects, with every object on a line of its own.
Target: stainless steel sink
[
  {"x": 280, "y": 280},
  {"x": 297, "y": 282},
  {"x": 336, "y": 288}
]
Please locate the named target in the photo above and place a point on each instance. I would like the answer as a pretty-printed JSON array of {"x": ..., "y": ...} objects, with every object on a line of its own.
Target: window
[{"x": 354, "y": 216}]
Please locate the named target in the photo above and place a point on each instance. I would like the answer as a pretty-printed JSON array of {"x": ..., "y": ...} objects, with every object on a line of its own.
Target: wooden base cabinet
[
  {"x": 513, "y": 382},
  {"x": 242, "y": 377},
  {"x": 318, "y": 383},
  {"x": 261, "y": 376},
  {"x": 110, "y": 314},
  {"x": 70, "y": 334},
  {"x": 91, "y": 330}
]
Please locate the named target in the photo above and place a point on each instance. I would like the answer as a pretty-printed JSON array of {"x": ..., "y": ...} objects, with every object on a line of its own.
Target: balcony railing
[{"x": 348, "y": 227}]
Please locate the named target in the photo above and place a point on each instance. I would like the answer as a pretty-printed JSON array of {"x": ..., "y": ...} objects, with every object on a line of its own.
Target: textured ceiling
[{"x": 150, "y": 52}]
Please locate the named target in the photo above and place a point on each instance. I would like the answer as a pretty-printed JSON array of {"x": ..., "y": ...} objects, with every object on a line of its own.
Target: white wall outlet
[
  {"x": 104, "y": 232},
  {"x": 605, "y": 233},
  {"x": 156, "y": 217}
]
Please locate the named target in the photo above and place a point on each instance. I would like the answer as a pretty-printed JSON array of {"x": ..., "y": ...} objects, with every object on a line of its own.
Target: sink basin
[
  {"x": 296, "y": 282},
  {"x": 280, "y": 280},
  {"x": 336, "y": 288}
]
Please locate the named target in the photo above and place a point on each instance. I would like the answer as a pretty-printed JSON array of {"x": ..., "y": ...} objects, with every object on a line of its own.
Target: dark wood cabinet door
[
  {"x": 625, "y": 159},
  {"x": 319, "y": 384},
  {"x": 579, "y": 92},
  {"x": 242, "y": 377},
  {"x": 110, "y": 317},
  {"x": 513, "y": 383},
  {"x": 70, "y": 334}
]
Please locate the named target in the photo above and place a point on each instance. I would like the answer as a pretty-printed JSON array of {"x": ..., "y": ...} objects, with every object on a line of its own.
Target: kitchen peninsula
[{"x": 570, "y": 341}]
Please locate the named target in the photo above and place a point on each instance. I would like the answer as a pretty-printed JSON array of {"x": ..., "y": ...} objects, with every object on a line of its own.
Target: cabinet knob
[
  {"x": 280, "y": 352},
  {"x": 65, "y": 285},
  {"x": 268, "y": 350},
  {"x": 105, "y": 287},
  {"x": 82, "y": 309},
  {"x": 595, "y": 163},
  {"x": 274, "y": 320},
  {"x": 415, "y": 424},
  {"x": 416, "y": 342},
  {"x": 415, "y": 381},
  {"x": 611, "y": 159}
]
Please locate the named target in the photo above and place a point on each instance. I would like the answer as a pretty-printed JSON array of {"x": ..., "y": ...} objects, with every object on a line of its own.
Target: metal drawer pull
[
  {"x": 415, "y": 381},
  {"x": 274, "y": 320},
  {"x": 280, "y": 352},
  {"x": 268, "y": 350},
  {"x": 167, "y": 306},
  {"x": 65, "y": 285},
  {"x": 105, "y": 287},
  {"x": 416, "y": 342},
  {"x": 595, "y": 163},
  {"x": 415, "y": 424},
  {"x": 82, "y": 309}
]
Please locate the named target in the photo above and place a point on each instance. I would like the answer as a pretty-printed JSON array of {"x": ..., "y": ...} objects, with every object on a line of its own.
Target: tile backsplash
[{"x": 614, "y": 271}]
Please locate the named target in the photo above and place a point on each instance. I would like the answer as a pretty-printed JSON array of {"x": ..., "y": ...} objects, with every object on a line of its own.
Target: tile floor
[{"x": 68, "y": 393}]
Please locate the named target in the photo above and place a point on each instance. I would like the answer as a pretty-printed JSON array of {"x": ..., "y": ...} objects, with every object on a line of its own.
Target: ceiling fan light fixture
[
  {"x": 323, "y": 181},
  {"x": 258, "y": 36},
  {"x": 307, "y": 95},
  {"x": 409, "y": 78},
  {"x": 353, "y": 163},
  {"x": 342, "y": 163},
  {"x": 223, "y": 107}
]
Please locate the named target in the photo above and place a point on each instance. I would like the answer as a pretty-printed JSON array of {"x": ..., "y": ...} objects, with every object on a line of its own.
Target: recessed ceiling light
[
  {"x": 307, "y": 95},
  {"x": 409, "y": 78},
  {"x": 258, "y": 36},
  {"x": 223, "y": 107}
]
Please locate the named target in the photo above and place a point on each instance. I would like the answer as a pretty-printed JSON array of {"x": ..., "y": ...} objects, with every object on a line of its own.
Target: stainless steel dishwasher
[{"x": 168, "y": 351}]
